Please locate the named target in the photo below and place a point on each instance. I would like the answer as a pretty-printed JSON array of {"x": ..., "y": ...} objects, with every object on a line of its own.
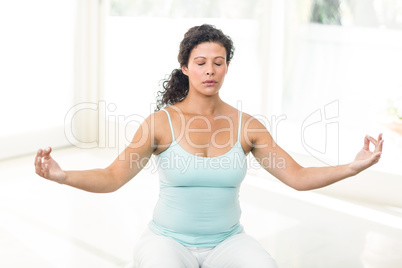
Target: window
[
  {"x": 36, "y": 73},
  {"x": 342, "y": 55},
  {"x": 142, "y": 42}
]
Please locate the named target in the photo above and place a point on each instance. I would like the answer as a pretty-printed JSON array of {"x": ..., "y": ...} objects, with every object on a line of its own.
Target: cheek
[
  {"x": 223, "y": 71},
  {"x": 197, "y": 72}
]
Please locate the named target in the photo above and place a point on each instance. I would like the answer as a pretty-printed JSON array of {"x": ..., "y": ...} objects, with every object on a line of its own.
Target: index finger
[
  {"x": 372, "y": 140},
  {"x": 46, "y": 152},
  {"x": 367, "y": 140},
  {"x": 380, "y": 137}
]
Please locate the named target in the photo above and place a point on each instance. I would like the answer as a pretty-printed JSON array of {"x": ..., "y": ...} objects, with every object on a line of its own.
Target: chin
[{"x": 211, "y": 94}]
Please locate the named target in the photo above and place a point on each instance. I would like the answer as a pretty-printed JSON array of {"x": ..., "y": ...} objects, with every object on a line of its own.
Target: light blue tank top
[{"x": 198, "y": 203}]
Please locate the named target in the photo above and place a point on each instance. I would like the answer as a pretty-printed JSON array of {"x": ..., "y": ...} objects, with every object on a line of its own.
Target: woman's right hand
[{"x": 47, "y": 167}]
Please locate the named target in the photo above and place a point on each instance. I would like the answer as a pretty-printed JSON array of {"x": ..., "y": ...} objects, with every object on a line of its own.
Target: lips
[{"x": 209, "y": 82}]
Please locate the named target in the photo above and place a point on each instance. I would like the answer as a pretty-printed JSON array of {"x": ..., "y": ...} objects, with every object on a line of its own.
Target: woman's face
[{"x": 206, "y": 68}]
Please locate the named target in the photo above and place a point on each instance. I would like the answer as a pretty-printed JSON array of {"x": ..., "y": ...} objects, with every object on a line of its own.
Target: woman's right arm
[{"x": 128, "y": 164}]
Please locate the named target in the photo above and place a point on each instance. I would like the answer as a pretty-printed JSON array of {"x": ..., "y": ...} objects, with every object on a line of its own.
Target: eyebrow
[{"x": 202, "y": 57}]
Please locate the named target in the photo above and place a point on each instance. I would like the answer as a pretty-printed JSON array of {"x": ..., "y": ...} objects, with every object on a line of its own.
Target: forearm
[
  {"x": 96, "y": 180},
  {"x": 317, "y": 177}
]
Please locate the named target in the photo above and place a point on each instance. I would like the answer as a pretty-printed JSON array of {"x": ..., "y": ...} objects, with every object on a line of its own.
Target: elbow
[
  {"x": 113, "y": 182},
  {"x": 301, "y": 181},
  {"x": 305, "y": 185},
  {"x": 117, "y": 183},
  {"x": 300, "y": 187},
  {"x": 109, "y": 190},
  {"x": 298, "y": 184}
]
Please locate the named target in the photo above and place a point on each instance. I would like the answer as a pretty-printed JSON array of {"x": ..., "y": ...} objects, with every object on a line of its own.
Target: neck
[{"x": 202, "y": 105}]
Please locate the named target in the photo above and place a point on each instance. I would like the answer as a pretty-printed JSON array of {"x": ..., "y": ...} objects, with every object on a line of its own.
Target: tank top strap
[
  {"x": 170, "y": 123},
  {"x": 239, "y": 127}
]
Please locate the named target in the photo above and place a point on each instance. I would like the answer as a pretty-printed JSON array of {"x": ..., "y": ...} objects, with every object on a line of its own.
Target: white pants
[{"x": 238, "y": 251}]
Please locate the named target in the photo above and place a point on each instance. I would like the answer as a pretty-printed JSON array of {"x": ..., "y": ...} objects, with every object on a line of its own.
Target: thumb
[{"x": 376, "y": 157}]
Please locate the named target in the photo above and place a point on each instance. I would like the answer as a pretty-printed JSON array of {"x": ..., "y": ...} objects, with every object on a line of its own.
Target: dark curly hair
[{"x": 176, "y": 86}]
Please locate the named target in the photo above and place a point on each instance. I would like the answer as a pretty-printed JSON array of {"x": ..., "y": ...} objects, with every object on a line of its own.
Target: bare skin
[{"x": 206, "y": 126}]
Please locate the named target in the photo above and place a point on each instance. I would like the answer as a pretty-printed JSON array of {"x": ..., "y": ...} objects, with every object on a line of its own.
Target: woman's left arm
[{"x": 281, "y": 165}]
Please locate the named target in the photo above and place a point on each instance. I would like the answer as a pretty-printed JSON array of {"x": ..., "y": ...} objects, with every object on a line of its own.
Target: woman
[{"x": 200, "y": 143}]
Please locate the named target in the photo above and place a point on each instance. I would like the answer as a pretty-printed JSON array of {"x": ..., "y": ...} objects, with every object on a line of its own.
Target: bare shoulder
[
  {"x": 255, "y": 130},
  {"x": 149, "y": 131},
  {"x": 251, "y": 122},
  {"x": 160, "y": 128}
]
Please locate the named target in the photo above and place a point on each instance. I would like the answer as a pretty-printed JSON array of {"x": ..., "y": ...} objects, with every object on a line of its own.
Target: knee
[
  {"x": 241, "y": 251},
  {"x": 257, "y": 262},
  {"x": 245, "y": 259},
  {"x": 156, "y": 253},
  {"x": 161, "y": 263},
  {"x": 255, "y": 259},
  {"x": 162, "y": 259}
]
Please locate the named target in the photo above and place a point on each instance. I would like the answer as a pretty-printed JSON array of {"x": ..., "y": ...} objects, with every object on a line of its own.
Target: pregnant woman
[{"x": 200, "y": 144}]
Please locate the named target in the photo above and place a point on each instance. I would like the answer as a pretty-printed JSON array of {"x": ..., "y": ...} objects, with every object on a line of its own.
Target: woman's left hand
[{"x": 366, "y": 158}]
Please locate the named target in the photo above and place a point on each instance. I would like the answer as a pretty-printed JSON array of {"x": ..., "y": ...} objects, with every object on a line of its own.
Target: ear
[
  {"x": 227, "y": 66},
  {"x": 184, "y": 69}
]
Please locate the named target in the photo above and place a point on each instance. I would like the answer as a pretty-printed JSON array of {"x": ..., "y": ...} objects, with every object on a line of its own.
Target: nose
[{"x": 210, "y": 70}]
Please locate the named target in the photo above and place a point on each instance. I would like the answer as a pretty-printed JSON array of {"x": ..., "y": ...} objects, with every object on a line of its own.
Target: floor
[{"x": 44, "y": 224}]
